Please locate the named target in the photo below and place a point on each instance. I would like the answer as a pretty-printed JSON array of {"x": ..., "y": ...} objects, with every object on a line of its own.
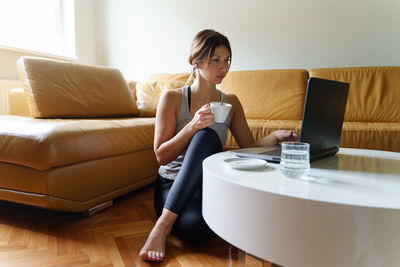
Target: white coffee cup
[{"x": 220, "y": 111}]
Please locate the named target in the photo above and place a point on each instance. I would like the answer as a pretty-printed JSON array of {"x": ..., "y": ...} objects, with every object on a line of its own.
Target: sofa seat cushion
[
  {"x": 371, "y": 135},
  {"x": 44, "y": 144},
  {"x": 261, "y": 128}
]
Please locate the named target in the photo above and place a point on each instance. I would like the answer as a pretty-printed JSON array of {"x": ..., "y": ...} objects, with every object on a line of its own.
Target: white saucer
[{"x": 245, "y": 163}]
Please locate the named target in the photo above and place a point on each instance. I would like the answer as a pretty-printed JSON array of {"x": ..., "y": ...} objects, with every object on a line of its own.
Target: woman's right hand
[{"x": 202, "y": 118}]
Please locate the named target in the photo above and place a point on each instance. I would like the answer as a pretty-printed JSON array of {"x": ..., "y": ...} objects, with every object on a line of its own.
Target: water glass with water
[{"x": 295, "y": 159}]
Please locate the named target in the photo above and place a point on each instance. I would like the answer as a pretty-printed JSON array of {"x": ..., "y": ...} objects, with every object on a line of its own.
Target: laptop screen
[{"x": 323, "y": 115}]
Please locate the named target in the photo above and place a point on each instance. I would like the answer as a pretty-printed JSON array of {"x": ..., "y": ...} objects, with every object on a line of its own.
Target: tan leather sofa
[
  {"x": 77, "y": 151},
  {"x": 82, "y": 143}
]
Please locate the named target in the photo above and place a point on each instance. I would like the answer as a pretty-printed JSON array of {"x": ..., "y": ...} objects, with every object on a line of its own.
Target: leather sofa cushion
[
  {"x": 57, "y": 89},
  {"x": 366, "y": 135},
  {"x": 17, "y": 101},
  {"x": 373, "y": 94},
  {"x": 182, "y": 77},
  {"x": 132, "y": 87},
  {"x": 19, "y": 106},
  {"x": 269, "y": 94},
  {"x": 148, "y": 94},
  {"x": 371, "y": 135},
  {"x": 58, "y": 142}
]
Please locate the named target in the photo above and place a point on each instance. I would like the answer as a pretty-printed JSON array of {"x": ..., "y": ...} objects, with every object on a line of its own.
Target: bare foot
[{"x": 154, "y": 248}]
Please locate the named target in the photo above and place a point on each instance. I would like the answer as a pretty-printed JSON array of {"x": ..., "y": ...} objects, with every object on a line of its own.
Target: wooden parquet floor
[{"x": 36, "y": 237}]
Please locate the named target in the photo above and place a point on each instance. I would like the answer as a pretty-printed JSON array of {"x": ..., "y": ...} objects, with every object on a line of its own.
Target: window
[{"x": 41, "y": 25}]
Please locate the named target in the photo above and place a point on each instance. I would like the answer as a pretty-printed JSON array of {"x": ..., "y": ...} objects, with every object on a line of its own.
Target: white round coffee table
[{"x": 347, "y": 214}]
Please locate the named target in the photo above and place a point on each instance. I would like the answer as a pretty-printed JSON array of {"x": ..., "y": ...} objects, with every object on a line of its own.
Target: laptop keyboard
[{"x": 273, "y": 152}]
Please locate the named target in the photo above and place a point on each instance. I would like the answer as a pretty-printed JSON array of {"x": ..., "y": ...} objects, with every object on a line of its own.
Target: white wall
[
  {"x": 8, "y": 59},
  {"x": 88, "y": 41},
  {"x": 88, "y": 35},
  {"x": 142, "y": 37}
]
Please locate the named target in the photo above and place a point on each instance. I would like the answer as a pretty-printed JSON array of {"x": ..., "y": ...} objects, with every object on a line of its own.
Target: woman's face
[{"x": 217, "y": 67}]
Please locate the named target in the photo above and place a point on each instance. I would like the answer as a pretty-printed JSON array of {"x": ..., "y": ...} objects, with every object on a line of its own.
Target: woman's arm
[
  {"x": 277, "y": 136},
  {"x": 168, "y": 147},
  {"x": 242, "y": 134},
  {"x": 239, "y": 127}
]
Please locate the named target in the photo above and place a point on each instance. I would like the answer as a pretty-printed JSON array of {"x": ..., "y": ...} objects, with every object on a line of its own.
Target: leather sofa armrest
[{"x": 17, "y": 103}]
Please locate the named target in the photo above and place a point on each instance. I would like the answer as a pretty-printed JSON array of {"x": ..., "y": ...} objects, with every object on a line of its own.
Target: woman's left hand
[{"x": 286, "y": 135}]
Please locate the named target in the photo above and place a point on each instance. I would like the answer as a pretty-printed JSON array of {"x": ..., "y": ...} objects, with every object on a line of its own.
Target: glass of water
[{"x": 295, "y": 159}]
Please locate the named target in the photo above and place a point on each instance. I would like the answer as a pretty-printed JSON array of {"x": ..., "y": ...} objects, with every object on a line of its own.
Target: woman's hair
[{"x": 203, "y": 46}]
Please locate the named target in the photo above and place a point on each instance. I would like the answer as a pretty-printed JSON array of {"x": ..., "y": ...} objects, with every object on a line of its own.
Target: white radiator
[{"x": 5, "y": 86}]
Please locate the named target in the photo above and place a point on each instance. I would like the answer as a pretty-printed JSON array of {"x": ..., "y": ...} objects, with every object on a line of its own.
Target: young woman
[{"x": 185, "y": 134}]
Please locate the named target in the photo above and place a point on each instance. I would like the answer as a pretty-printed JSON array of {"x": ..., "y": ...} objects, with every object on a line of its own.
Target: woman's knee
[
  {"x": 208, "y": 134},
  {"x": 206, "y": 139}
]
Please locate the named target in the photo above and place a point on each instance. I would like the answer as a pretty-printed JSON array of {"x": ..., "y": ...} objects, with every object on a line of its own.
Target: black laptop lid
[{"x": 323, "y": 116}]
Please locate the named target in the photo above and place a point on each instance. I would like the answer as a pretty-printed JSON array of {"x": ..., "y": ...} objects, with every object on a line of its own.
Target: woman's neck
[{"x": 202, "y": 89}]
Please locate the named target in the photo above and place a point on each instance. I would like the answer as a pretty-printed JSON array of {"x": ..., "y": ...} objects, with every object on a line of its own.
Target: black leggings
[{"x": 183, "y": 195}]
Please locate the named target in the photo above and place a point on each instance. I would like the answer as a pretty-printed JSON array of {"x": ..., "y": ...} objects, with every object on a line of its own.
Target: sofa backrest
[
  {"x": 269, "y": 94},
  {"x": 181, "y": 77},
  {"x": 17, "y": 103},
  {"x": 148, "y": 93},
  {"x": 374, "y": 92},
  {"x": 58, "y": 89}
]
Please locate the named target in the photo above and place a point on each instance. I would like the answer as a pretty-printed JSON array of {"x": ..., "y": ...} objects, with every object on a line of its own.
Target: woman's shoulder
[
  {"x": 231, "y": 98},
  {"x": 171, "y": 98},
  {"x": 234, "y": 101},
  {"x": 174, "y": 94}
]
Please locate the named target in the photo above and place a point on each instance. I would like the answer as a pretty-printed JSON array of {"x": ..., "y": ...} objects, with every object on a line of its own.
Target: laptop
[{"x": 323, "y": 115}]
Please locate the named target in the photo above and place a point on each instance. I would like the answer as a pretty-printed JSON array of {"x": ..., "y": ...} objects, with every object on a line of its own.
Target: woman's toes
[
  {"x": 143, "y": 254},
  {"x": 158, "y": 256},
  {"x": 155, "y": 256},
  {"x": 150, "y": 255}
]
